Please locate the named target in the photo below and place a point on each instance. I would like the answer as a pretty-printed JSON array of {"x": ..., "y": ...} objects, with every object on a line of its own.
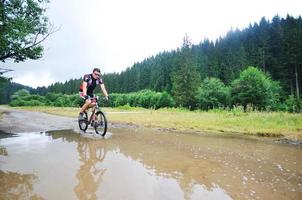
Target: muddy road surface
[
  {"x": 43, "y": 161},
  {"x": 19, "y": 121}
]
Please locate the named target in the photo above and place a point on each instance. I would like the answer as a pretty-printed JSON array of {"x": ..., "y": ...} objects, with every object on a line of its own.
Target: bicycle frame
[
  {"x": 101, "y": 123},
  {"x": 95, "y": 108}
]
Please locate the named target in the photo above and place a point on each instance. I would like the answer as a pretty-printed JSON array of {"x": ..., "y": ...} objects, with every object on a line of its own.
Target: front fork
[{"x": 93, "y": 117}]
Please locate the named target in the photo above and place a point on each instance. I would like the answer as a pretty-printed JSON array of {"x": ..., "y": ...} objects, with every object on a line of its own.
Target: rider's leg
[
  {"x": 93, "y": 117},
  {"x": 85, "y": 106},
  {"x": 91, "y": 106}
]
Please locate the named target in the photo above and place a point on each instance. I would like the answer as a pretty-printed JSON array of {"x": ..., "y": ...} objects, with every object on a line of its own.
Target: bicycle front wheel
[
  {"x": 83, "y": 124},
  {"x": 101, "y": 123}
]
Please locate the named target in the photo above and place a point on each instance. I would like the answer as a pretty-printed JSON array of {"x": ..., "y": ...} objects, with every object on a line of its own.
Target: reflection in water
[
  {"x": 17, "y": 186},
  {"x": 170, "y": 157},
  {"x": 91, "y": 153},
  {"x": 3, "y": 151},
  {"x": 230, "y": 167},
  {"x": 7, "y": 135},
  {"x": 146, "y": 164}
]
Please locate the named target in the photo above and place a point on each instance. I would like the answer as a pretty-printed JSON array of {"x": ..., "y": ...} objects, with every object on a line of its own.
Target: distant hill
[{"x": 10, "y": 88}]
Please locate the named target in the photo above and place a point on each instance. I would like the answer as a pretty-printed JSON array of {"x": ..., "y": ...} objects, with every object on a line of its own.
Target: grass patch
[{"x": 265, "y": 124}]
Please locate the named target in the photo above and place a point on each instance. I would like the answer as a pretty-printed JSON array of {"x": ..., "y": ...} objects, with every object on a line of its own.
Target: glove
[
  {"x": 86, "y": 97},
  {"x": 107, "y": 98}
]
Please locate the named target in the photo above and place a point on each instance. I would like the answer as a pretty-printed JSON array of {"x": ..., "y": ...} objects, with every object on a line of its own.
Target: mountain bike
[{"x": 97, "y": 119}]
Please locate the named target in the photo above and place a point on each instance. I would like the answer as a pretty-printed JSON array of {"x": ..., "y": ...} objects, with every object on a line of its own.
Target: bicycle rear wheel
[
  {"x": 83, "y": 124},
  {"x": 101, "y": 123}
]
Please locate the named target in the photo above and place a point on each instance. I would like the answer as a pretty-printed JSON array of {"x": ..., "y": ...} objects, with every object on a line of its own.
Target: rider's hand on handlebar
[{"x": 107, "y": 98}]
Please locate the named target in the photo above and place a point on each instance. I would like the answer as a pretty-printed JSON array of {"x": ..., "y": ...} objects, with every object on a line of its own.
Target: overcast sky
[{"x": 113, "y": 34}]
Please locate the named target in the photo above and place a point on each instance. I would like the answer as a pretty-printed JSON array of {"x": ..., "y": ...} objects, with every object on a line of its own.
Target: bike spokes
[
  {"x": 101, "y": 123},
  {"x": 83, "y": 124}
]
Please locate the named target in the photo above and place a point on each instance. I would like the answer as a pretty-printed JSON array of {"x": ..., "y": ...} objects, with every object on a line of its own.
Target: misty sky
[{"x": 113, "y": 34}]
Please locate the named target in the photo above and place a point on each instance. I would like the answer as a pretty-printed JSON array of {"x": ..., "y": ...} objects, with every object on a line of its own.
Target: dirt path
[{"x": 16, "y": 121}]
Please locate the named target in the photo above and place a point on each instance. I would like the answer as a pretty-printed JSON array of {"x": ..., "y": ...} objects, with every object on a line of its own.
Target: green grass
[{"x": 271, "y": 124}]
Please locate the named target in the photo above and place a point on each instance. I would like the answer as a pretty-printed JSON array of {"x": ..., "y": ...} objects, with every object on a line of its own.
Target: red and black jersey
[{"x": 91, "y": 83}]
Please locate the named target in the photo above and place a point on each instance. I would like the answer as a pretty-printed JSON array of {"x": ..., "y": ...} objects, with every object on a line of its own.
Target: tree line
[
  {"x": 144, "y": 98},
  {"x": 253, "y": 89},
  {"x": 274, "y": 47}
]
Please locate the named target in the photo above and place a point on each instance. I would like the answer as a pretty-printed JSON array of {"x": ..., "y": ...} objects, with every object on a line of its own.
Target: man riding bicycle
[{"x": 90, "y": 81}]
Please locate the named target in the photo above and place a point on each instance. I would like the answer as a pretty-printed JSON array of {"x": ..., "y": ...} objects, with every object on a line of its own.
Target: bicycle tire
[
  {"x": 83, "y": 124},
  {"x": 101, "y": 127}
]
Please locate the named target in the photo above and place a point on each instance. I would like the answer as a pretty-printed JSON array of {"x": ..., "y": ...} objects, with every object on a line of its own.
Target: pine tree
[
  {"x": 186, "y": 79},
  {"x": 263, "y": 42},
  {"x": 293, "y": 45}
]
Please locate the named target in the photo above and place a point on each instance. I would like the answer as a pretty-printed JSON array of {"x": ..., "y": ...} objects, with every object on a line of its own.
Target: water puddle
[{"x": 134, "y": 163}]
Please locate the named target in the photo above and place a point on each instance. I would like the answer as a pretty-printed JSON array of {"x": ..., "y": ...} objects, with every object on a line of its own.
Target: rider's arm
[{"x": 104, "y": 89}]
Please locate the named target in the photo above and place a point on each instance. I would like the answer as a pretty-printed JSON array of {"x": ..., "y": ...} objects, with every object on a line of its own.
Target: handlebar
[{"x": 97, "y": 98}]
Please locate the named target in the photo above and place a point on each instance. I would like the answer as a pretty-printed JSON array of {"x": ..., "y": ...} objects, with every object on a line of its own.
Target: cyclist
[{"x": 90, "y": 81}]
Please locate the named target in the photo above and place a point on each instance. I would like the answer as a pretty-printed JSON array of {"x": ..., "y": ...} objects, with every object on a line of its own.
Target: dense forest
[
  {"x": 8, "y": 88},
  {"x": 274, "y": 47}
]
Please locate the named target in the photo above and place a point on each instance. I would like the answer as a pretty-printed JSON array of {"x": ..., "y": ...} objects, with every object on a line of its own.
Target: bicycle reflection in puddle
[{"x": 91, "y": 154}]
